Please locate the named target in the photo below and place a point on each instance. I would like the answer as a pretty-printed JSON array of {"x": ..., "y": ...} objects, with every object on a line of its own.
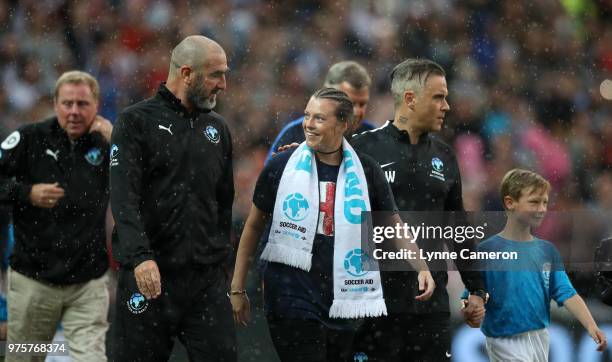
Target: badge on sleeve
[
  {"x": 114, "y": 153},
  {"x": 11, "y": 141}
]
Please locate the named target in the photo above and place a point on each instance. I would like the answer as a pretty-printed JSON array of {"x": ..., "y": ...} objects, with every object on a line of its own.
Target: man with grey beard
[{"x": 172, "y": 191}]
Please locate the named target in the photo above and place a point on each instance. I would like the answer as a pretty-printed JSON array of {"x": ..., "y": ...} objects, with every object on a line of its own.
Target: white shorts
[{"x": 531, "y": 346}]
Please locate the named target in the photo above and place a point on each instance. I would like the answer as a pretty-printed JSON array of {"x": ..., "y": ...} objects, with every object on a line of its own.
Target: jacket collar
[
  {"x": 61, "y": 136},
  {"x": 164, "y": 94},
  {"x": 403, "y": 135}
]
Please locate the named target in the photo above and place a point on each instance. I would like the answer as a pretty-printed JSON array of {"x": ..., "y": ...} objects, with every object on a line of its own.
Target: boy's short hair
[{"x": 518, "y": 181}]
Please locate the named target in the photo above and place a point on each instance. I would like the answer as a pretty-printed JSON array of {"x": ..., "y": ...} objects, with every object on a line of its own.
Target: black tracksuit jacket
[
  {"x": 171, "y": 185},
  {"x": 65, "y": 244},
  {"x": 418, "y": 186}
]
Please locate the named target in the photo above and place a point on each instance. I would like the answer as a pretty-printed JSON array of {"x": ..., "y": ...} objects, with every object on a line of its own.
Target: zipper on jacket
[
  {"x": 191, "y": 220},
  {"x": 72, "y": 146}
]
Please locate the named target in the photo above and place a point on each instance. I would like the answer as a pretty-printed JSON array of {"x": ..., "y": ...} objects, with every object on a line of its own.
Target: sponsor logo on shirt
[
  {"x": 168, "y": 129},
  {"x": 114, "y": 153},
  {"x": 52, "y": 154},
  {"x": 437, "y": 169}
]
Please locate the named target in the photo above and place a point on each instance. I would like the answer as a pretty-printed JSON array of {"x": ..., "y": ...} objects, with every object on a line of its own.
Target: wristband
[
  {"x": 482, "y": 294},
  {"x": 236, "y": 292}
]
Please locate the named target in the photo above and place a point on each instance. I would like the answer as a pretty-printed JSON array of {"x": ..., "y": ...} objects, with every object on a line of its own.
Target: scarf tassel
[
  {"x": 287, "y": 255},
  {"x": 347, "y": 308}
]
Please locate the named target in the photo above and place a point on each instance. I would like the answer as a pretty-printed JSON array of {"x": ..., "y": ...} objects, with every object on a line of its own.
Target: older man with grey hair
[
  {"x": 54, "y": 176},
  {"x": 172, "y": 191}
]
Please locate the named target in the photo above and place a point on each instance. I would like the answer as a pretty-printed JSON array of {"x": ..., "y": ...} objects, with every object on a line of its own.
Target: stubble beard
[{"x": 196, "y": 96}]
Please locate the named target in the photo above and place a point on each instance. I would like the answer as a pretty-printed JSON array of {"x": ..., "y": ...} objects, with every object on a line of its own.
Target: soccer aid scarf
[{"x": 357, "y": 292}]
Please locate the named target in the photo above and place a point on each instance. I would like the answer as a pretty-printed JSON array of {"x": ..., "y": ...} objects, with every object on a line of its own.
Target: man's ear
[
  {"x": 409, "y": 98},
  {"x": 508, "y": 202},
  {"x": 185, "y": 73}
]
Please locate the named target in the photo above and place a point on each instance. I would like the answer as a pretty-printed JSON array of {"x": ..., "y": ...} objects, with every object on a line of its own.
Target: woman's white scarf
[{"x": 357, "y": 292}]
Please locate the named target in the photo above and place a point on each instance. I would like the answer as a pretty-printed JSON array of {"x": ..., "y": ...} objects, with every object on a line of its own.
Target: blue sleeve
[
  {"x": 561, "y": 288},
  {"x": 285, "y": 136},
  {"x": 3, "y": 309},
  {"x": 8, "y": 248}
]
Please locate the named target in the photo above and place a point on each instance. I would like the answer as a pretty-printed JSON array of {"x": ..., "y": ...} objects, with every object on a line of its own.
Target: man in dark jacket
[
  {"x": 54, "y": 175},
  {"x": 171, "y": 194},
  {"x": 424, "y": 176}
]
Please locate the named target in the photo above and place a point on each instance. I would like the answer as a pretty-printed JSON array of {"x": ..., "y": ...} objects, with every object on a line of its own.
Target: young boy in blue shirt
[{"x": 518, "y": 311}]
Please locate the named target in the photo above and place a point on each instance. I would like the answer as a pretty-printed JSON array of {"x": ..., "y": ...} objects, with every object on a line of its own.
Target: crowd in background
[{"x": 524, "y": 76}]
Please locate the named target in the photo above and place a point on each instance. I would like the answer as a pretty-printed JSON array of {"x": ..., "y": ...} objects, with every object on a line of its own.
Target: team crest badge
[
  {"x": 212, "y": 134},
  {"x": 137, "y": 303},
  {"x": 437, "y": 164},
  {"x": 94, "y": 156},
  {"x": 437, "y": 169}
]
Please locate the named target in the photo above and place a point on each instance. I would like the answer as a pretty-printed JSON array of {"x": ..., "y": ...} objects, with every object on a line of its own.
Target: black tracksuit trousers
[{"x": 193, "y": 306}]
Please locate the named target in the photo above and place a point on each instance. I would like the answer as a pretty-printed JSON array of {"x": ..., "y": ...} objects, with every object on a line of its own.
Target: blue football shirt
[{"x": 521, "y": 290}]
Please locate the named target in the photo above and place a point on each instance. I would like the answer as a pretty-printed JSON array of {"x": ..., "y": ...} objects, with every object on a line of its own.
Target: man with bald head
[{"x": 172, "y": 191}]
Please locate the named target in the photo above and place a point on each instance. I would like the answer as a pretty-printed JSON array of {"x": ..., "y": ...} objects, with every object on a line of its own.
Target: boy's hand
[
  {"x": 474, "y": 311},
  {"x": 578, "y": 308},
  {"x": 600, "y": 338}
]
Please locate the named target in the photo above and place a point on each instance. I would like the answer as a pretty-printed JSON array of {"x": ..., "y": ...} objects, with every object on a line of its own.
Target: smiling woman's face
[{"x": 322, "y": 129}]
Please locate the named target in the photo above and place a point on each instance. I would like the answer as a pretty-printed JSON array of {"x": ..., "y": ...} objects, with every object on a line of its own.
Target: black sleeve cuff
[
  {"x": 22, "y": 192},
  {"x": 141, "y": 258},
  {"x": 472, "y": 280}
]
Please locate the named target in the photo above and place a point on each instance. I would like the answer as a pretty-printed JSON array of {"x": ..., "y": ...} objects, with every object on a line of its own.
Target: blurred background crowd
[{"x": 524, "y": 76}]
